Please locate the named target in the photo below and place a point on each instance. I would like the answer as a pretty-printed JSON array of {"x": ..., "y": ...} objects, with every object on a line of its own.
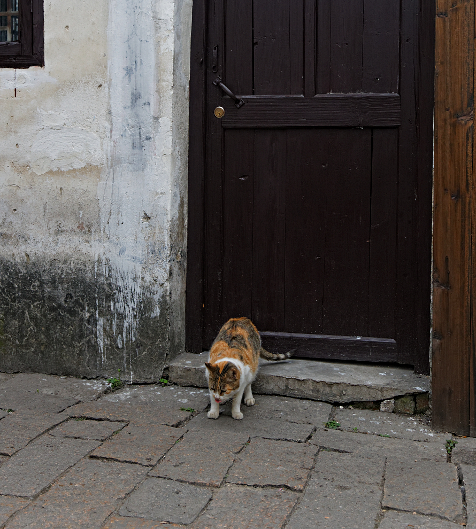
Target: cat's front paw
[
  {"x": 250, "y": 402},
  {"x": 237, "y": 415},
  {"x": 213, "y": 414}
]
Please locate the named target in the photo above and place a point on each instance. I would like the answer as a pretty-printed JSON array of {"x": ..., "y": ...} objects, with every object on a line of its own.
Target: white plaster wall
[{"x": 93, "y": 161}]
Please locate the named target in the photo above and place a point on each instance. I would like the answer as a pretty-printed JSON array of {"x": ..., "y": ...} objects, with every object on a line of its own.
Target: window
[{"x": 21, "y": 33}]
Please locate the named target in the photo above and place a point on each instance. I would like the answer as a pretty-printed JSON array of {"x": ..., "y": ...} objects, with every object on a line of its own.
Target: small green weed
[
  {"x": 115, "y": 382},
  {"x": 449, "y": 445},
  {"x": 384, "y": 435},
  {"x": 191, "y": 410},
  {"x": 163, "y": 381},
  {"x": 355, "y": 429},
  {"x": 332, "y": 424}
]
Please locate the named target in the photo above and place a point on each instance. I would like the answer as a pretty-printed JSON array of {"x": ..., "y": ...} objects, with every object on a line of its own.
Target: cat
[{"x": 233, "y": 364}]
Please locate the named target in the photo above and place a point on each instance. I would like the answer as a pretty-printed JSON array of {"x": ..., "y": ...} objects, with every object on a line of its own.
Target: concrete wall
[{"x": 93, "y": 163}]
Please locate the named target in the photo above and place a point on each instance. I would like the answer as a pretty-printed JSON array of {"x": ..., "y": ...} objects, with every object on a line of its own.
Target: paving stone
[
  {"x": 83, "y": 498},
  {"x": 145, "y": 405},
  {"x": 122, "y": 522},
  {"x": 157, "y": 395},
  {"x": 46, "y": 392},
  {"x": 393, "y": 520},
  {"x": 425, "y": 487},
  {"x": 87, "y": 429},
  {"x": 465, "y": 451},
  {"x": 346, "y": 468},
  {"x": 344, "y": 491},
  {"x": 286, "y": 409},
  {"x": 469, "y": 479},
  {"x": 368, "y": 445},
  {"x": 199, "y": 459},
  {"x": 22, "y": 399},
  {"x": 269, "y": 462},
  {"x": 10, "y": 505},
  {"x": 61, "y": 386},
  {"x": 3, "y": 413},
  {"x": 389, "y": 424},
  {"x": 247, "y": 507},
  {"x": 20, "y": 427},
  {"x": 143, "y": 444},
  {"x": 167, "y": 501},
  {"x": 32, "y": 469},
  {"x": 269, "y": 428}
]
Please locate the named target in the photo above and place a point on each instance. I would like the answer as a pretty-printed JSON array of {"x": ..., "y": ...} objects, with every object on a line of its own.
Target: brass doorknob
[{"x": 219, "y": 112}]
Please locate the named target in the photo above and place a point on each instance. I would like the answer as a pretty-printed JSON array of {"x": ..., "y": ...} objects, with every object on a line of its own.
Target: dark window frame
[{"x": 29, "y": 50}]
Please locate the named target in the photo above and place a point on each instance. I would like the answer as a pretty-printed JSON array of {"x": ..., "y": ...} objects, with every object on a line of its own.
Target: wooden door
[{"x": 310, "y": 198}]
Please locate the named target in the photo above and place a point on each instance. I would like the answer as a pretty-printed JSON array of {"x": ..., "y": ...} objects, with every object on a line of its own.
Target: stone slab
[
  {"x": 344, "y": 491},
  {"x": 47, "y": 392},
  {"x": 268, "y": 428},
  {"x": 122, "y": 522},
  {"x": 201, "y": 459},
  {"x": 145, "y": 404},
  {"x": 469, "y": 479},
  {"x": 311, "y": 379},
  {"x": 285, "y": 409},
  {"x": 10, "y": 505},
  {"x": 167, "y": 501},
  {"x": 247, "y": 507},
  {"x": 368, "y": 445},
  {"x": 83, "y": 498},
  {"x": 142, "y": 444},
  {"x": 157, "y": 395},
  {"x": 465, "y": 451},
  {"x": 35, "y": 467},
  {"x": 394, "y": 520},
  {"x": 87, "y": 429},
  {"x": 425, "y": 487},
  {"x": 277, "y": 463},
  {"x": 387, "y": 424},
  {"x": 21, "y": 427}
]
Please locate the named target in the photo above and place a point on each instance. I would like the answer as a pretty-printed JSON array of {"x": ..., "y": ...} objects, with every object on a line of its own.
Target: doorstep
[{"x": 334, "y": 382}]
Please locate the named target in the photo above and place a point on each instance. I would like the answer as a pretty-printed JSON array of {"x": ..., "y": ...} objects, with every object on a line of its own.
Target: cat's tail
[{"x": 274, "y": 356}]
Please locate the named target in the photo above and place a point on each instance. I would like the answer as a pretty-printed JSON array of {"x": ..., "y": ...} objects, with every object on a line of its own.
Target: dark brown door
[{"x": 310, "y": 200}]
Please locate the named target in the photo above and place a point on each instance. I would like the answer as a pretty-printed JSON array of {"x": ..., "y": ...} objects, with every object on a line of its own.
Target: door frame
[
  {"x": 420, "y": 27},
  {"x": 454, "y": 244}
]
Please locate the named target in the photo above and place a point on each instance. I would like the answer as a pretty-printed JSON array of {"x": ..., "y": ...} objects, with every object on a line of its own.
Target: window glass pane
[{"x": 9, "y": 20}]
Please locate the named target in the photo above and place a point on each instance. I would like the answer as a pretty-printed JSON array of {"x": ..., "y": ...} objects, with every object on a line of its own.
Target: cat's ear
[{"x": 210, "y": 367}]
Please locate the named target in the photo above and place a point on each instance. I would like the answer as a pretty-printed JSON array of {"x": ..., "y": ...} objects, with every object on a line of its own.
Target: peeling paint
[{"x": 93, "y": 195}]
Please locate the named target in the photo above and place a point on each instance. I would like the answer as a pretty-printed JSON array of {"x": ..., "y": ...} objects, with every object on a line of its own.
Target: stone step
[{"x": 334, "y": 382}]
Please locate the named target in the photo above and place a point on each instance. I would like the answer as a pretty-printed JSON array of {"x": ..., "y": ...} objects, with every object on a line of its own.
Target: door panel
[{"x": 307, "y": 209}]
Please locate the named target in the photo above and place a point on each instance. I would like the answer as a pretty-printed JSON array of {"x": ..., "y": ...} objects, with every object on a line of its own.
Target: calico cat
[{"x": 233, "y": 364}]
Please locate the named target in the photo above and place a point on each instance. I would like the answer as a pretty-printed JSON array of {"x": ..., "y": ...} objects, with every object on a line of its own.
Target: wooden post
[{"x": 453, "y": 322}]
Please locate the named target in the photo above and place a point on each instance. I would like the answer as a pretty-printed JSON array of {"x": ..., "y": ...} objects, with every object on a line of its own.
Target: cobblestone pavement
[{"x": 75, "y": 455}]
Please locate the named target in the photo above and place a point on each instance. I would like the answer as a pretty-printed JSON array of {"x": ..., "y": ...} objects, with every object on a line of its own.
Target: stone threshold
[{"x": 390, "y": 388}]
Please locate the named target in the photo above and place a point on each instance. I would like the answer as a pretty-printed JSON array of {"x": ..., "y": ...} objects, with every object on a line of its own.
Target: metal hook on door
[{"x": 238, "y": 101}]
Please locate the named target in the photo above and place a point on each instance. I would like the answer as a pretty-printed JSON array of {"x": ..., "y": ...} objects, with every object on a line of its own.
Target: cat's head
[{"x": 223, "y": 380}]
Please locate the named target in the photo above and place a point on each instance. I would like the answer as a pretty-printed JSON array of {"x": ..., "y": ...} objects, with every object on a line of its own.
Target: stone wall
[{"x": 93, "y": 165}]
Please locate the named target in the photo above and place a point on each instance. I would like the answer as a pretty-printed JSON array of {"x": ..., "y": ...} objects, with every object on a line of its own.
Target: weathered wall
[{"x": 93, "y": 161}]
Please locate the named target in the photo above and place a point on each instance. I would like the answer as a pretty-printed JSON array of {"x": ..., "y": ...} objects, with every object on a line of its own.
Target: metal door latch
[{"x": 238, "y": 101}]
